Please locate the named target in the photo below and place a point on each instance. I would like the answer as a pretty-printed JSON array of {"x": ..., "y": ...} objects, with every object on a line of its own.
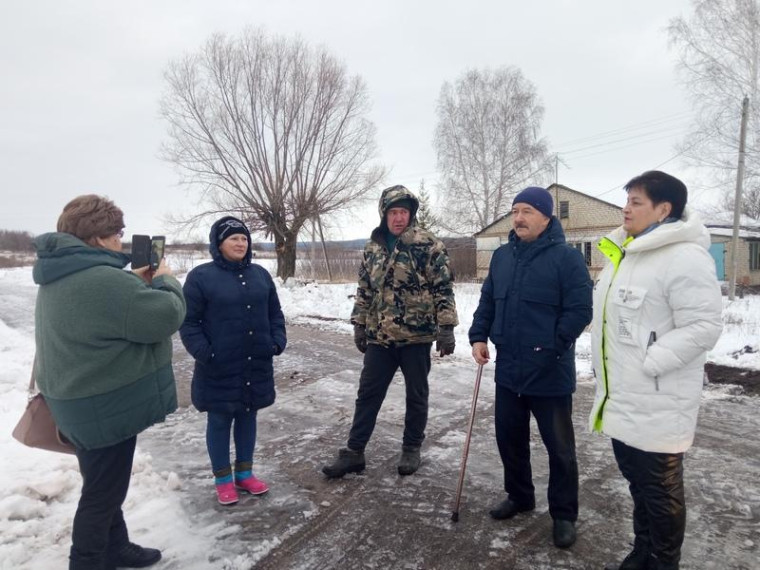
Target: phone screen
[{"x": 157, "y": 247}]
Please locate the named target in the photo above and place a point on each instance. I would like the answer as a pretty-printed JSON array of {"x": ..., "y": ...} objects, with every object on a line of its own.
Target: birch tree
[
  {"x": 718, "y": 46},
  {"x": 488, "y": 143}
]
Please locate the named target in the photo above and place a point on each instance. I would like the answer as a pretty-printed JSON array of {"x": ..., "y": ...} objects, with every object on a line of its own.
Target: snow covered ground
[{"x": 39, "y": 490}]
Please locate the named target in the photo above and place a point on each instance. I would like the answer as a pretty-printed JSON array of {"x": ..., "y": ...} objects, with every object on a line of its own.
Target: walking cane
[{"x": 455, "y": 514}]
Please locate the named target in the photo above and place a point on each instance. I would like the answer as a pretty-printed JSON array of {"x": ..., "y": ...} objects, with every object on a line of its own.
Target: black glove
[
  {"x": 445, "y": 343},
  {"x": 360, "y": 338}
]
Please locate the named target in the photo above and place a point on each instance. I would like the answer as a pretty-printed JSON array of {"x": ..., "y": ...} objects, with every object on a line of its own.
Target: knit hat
[
  {"x": 539, "y": 198},
  {"x": 228, "y": 227}
]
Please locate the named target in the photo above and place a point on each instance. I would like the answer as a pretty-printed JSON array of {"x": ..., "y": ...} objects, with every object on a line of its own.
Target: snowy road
[{"x": 380, "y": 520}]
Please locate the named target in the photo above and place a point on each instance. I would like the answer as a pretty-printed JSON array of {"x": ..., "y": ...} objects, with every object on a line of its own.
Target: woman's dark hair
[
  {"x": 90, "y": 216},
  {"x": 661, "y": 187}
]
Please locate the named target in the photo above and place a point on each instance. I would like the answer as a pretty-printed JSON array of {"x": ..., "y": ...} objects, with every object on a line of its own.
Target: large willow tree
[{"x": 272, "y": 130}]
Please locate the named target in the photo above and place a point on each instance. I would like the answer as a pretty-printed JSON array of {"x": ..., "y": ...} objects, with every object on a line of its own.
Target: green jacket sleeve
[{"x": 155, "y": 311}]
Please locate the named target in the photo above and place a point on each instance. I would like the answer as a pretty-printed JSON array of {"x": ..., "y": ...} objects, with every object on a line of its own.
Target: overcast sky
[{"x": 81, "y": 82}]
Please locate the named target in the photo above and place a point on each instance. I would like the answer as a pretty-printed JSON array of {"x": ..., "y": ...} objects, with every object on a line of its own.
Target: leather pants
[{"x": 655, "y": 481}]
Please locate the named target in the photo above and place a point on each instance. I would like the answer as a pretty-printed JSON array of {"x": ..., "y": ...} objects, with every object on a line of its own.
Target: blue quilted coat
[
  {"x": 233, "y": 328},
  {"x": 534, "y": 303}
]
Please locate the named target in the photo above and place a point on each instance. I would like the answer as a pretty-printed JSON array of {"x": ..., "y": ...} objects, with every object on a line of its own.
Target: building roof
[
  {"x": 725, "y": 219},
  {"x": 729, "y": 232},
  {"x": 550, "y": 188}
]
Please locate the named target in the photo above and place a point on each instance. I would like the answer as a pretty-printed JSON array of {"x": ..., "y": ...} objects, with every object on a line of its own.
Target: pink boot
[
  {"x": 226, "y": 494},
  {"x": 252, "y": 485}
]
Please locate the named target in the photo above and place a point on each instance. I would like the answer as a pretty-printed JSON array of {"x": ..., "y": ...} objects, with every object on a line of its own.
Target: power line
[
  {"x": 680, "y": 153},
  {"x": 666, "y": 133},
  {"x": 646, "y": 124},
  {"x": 650, "y": 135}
]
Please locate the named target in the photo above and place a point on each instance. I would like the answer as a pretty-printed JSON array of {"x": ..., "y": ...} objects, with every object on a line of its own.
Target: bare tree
[
  {"x": 718, "y": 48},
  {"x": 426, "y": 219},
  {"x": 488, "y": 144},
  {"x": 272, "y": 130}
]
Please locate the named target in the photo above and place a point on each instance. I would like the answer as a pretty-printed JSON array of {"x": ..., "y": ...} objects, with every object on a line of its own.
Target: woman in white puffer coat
[{"x": 657, "y": 311}]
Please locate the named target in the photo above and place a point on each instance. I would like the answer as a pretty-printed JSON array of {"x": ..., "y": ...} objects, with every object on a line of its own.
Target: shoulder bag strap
[{"x": 31, "y": 380}]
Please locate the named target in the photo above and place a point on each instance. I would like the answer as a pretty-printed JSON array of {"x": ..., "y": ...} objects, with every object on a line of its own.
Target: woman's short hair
[
  {"x": 661, "y": 187},
  {"x": 91, "y": 216}
]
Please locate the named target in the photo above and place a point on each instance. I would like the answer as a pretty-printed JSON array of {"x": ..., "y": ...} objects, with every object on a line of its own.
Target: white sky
[{"x": 81, "y": 83}]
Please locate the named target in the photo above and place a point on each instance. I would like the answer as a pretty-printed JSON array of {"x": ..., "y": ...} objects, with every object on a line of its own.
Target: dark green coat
[{"x": 103, "y": 341}]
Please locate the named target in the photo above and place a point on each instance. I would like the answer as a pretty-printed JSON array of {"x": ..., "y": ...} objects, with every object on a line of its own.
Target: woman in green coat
[{"x": 103, "y": 365}]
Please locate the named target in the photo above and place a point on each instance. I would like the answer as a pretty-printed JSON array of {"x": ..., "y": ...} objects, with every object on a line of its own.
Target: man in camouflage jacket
[{"x": 404, "y": 301}]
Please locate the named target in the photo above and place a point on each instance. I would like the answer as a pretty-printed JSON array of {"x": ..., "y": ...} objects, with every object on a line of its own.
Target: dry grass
[{"x": 15, "y": 259}]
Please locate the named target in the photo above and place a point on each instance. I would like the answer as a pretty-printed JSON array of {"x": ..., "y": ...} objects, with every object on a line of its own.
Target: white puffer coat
[{"x": 654, "y": 320}]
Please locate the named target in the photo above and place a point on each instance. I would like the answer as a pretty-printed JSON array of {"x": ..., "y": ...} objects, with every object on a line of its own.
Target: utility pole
[
  {"x": 738, "y": 201},
  {"x": 556, "y": 182}
]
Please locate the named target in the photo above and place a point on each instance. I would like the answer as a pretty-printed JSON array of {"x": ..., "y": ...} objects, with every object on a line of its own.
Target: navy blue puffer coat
[
  {"x": 233, "y": 328},
  {"x": 534, "y": 304}
]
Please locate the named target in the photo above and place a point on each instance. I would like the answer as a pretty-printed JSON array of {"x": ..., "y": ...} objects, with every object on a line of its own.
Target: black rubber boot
[
  {"x": 133, "y": 555},
  {"x": 349, "y": 461},
  {"x": 508, "y": 508},
  {"x": 410, "y": 460},
  {"x": 656, "y": 564},
  {"x": 563, "y": 533},
  {"x": 637, "y": 559}
]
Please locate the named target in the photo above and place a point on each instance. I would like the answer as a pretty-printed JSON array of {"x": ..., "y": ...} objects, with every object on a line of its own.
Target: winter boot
[
  {"x": 349, "y": 461},
  {"x": 132, "y": 555},
  {"x": 226, "y": 493},
  {"x": 225, "y": 488},
  {"x": 251, "y": 485},
  {"x": 410, "y": 460},
  {"x": 563, "y": 533},
  {"x": 657, "y": 564},
  {"x": 508, "y": 508},
  {"x": 637, "y": 559},
  {"x": 246, "y": 481}
]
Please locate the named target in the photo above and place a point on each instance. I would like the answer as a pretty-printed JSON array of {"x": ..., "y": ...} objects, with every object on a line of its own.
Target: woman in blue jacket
[{"x": 234, "y": 326}]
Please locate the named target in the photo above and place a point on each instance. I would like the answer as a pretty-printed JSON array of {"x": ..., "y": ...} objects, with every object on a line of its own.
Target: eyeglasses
[{"x": 120, "y": 233}]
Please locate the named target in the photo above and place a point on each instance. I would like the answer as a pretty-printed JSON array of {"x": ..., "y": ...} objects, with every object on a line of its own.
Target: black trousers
[
  {"x": 655, "y": 481},
  {"x": 380, "y": 364},
  {"x": 555, "y": 424},
  {"x": 99, "y": 528}
]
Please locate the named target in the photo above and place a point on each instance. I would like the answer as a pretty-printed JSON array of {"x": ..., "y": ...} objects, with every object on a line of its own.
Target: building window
[
  {"x": 585, "y": 248},
  {"x": 564, "y": 209},
  {"x": 754, "y": 255}
]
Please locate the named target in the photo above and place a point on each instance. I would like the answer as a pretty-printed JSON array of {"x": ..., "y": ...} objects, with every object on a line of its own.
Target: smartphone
[
  {"x": 147, "y": 250},
  {"x": 140, "y": 251},
  {"x": 157, "y": 247}
]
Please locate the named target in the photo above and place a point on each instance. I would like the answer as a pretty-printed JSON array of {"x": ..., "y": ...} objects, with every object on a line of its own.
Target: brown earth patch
[{"x": 749, "y": 380}]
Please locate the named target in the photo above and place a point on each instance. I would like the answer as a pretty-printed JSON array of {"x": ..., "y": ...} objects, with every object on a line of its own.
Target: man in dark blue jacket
[{"x": 534, "y": 304}]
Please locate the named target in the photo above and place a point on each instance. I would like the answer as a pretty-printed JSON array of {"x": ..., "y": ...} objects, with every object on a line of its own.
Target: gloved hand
[
  {"x": 360, "y": 338},
  {"x": 445, "y": 343}
]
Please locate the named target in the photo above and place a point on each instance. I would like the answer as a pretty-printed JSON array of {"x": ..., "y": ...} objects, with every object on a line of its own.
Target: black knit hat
[
  {"x": 229, "y": 227},
  {"x": 538, "y": 197}
]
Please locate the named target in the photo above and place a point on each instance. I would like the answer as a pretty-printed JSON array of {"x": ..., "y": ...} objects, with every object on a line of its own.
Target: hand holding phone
[{"x": 147, "y": 251}]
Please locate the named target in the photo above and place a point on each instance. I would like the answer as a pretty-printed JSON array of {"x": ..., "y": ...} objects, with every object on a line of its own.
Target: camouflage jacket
[{"x": 405, "y": 294}]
